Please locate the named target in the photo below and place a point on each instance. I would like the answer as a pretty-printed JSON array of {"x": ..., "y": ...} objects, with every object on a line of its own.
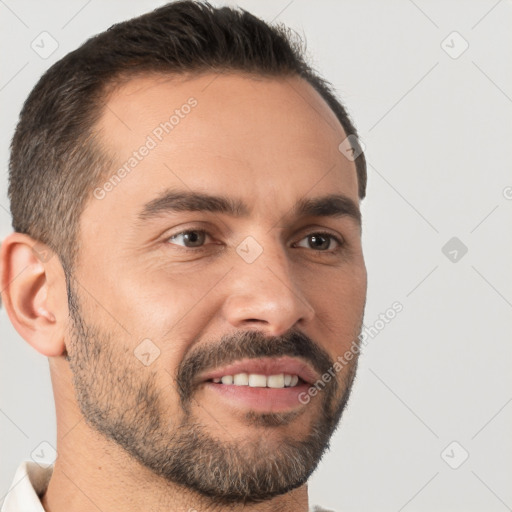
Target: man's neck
[
  {"x": 67, "y": 491},
  {"x": 93, "y": 472}
]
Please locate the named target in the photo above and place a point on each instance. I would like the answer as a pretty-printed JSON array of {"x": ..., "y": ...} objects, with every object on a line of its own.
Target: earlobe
[{"x": 26, "y": 282}]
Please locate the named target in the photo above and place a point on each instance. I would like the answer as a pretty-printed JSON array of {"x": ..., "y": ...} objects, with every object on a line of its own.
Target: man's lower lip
[{"x": 262, "y": 399}]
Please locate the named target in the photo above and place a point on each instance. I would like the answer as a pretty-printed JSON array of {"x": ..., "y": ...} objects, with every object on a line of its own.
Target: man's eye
[
  {"x": 320, "y": 242},
  {"x": 192, "y": 238},
  {"x": 197, "y": 238}
]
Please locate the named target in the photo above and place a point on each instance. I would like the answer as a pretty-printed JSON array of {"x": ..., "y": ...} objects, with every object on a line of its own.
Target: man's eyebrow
[
  {"x": 172, "y": 201},
  {"x": 333, "y": 205}
]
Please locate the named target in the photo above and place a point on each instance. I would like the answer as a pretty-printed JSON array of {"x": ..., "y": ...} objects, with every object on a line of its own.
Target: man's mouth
[
  {"x": 263, "y": 384},
  {"x": 272, "y": 372},
  {"x": 256, "y": 380}
]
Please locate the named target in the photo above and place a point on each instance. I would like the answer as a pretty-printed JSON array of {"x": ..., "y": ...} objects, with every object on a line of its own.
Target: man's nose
[{"x": 265, "y": 293}]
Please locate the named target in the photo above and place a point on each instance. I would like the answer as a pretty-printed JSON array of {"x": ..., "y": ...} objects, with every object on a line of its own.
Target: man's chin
[{"x": 237, "y": 463}]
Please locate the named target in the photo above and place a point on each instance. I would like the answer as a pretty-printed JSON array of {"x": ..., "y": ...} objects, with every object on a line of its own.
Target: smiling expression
[{"x": 234, "y": 239}]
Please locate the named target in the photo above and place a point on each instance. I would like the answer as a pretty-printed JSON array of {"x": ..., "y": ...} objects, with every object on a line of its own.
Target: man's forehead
[
  {"x": 233, "y": 100},
  {"x": 229, "y": 135}
]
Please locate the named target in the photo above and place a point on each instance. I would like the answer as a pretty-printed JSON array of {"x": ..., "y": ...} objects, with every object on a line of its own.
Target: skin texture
[{"x": 268, "y": 143}]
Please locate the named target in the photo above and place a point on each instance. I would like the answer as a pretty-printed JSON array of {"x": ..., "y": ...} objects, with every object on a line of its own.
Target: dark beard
[{"x": 116, "y": 403}]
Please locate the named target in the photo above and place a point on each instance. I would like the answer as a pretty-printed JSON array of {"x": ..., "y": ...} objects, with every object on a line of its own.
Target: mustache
[{"x": 248, "y": 344}]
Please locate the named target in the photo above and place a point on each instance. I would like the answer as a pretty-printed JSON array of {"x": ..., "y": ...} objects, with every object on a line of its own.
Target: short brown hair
[{"x": 56, "y": 160}]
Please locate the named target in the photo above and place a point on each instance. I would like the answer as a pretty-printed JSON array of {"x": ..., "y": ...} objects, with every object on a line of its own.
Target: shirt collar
[{"x": 29, "y": 484}]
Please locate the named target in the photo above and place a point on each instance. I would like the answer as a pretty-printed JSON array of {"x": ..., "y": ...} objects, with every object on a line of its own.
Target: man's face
[{"x": 173, "y": 291}]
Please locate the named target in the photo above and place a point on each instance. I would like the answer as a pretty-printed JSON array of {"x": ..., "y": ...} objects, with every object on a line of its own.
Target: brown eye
[
  {"x": 319, "y": 241},
  {"x": 189, "y": 238}
]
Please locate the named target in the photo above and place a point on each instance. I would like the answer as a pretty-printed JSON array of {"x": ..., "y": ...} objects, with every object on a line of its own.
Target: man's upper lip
[{"x": 265, "y": 366}]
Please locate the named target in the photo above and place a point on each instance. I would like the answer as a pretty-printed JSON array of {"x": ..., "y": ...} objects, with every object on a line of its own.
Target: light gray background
[{"x": 438, "y": 141}]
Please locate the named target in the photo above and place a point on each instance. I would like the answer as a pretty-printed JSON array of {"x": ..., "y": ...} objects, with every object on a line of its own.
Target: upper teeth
[{"x": 255, "y": 380}]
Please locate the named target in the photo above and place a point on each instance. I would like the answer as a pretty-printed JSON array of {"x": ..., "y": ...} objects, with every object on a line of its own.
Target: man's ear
[{"x": 34, "y": 292}]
